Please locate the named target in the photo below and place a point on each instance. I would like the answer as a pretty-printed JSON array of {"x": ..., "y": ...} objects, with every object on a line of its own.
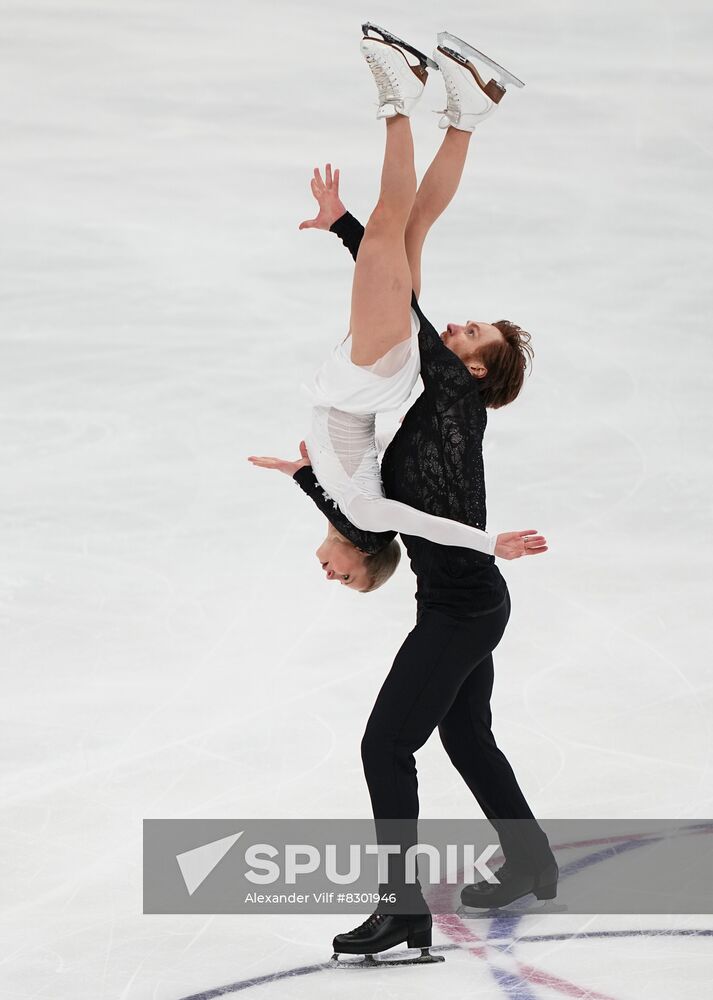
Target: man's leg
[
  {"x": 468, "y": 739},
  {"x": 381, "y": 290},
  {"x": 432, "y": 664}
]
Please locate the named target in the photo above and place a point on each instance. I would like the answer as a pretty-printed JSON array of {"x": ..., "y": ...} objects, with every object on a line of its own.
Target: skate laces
[
  {"x": 502, "y": 873},
  {"x": 370, "y": 923},
  {"x": 452, "y": 108},
  {"x": 386, "y": 81}
]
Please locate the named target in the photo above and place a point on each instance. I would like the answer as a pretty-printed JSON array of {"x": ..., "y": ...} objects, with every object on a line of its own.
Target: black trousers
[{"x": 443, "y": 676}]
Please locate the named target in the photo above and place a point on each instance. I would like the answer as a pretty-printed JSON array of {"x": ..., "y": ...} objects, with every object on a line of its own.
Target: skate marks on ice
[
  {"x": 306, "y": 970},
  {"x": 517, "y": 978},
  {"x": 496, "y": 946},
  {"x": 501, "y": 939}
]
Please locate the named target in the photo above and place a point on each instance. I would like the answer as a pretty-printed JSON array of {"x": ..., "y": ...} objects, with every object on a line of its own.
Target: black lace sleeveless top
[{"x": 435, "y": 463}]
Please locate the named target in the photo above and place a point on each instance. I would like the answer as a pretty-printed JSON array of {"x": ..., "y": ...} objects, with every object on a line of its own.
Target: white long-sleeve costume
[{"x": 342, "y": 447}]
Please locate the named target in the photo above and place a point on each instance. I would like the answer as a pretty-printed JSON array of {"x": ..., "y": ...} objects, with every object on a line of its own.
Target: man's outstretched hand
[
  {"x": 281, "y": 464},
  {"x": 327, "y": 194},
  {"x": 513, "y": 544}
]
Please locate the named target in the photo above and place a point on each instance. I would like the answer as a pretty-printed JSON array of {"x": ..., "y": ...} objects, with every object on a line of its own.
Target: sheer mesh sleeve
[
  {"x": 367, "y": 541},
  {"x": 383, "y": 439},
  {"x": 378, "y": 513}
]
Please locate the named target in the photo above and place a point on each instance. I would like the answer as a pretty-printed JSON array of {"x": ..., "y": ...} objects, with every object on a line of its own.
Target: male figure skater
[{"x": 443, "y": 674}]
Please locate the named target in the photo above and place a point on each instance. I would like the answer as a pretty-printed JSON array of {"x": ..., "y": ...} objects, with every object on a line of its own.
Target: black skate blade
[
  {"x": 392, "y": 39},
  {"x": 374, "y": 962},
  {"x": 481, "y": 913},
  {"x": 463, "y": 49}
]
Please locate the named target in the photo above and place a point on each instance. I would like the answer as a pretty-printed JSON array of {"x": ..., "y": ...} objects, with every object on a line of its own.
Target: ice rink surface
[{"x": 170, "y": 647}]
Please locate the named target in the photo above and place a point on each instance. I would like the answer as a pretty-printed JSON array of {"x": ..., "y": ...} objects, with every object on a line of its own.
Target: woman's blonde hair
[{"x": 381, "y": 565}]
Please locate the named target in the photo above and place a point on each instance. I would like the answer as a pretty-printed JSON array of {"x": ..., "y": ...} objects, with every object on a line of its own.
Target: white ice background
[{"x": 170, "y": 647}]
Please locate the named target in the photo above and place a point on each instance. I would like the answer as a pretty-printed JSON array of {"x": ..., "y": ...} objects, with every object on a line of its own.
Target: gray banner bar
[{"x": 330, "y": 865}]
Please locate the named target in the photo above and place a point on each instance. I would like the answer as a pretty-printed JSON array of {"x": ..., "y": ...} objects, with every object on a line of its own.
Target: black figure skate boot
[
  {"x": 514, "y": 883},
  {"x": 380, "y": 932}
]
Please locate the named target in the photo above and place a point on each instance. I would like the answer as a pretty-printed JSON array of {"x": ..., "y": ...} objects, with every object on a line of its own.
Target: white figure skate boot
[
  {"x": 470, "y": 99},
  {"x": 399, "y": 83}
]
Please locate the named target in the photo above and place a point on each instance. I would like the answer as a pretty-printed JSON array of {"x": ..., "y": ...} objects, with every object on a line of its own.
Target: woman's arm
[
  {"x": 372, "y": 522},
  {"x": 301, "y": 471},
  {"x": 379, "y": 513},
  {"x": 332, "y": 214},
  {"x": 367, "y": 541},
  {"x": 376, "y": 513},
  {"x": 350, "y": 231},
  {"x": 382, "y": 439}
]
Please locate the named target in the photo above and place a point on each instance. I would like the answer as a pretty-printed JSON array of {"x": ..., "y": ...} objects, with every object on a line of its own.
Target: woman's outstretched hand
[
  {"x": 513, "y": 544},
  {"x": 327, "y": 194},
  {"x": 281, "y": 464}
]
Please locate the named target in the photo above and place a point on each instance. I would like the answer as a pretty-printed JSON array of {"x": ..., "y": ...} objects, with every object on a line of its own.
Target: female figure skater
[
  {"x": 443, "y": 674},
  {"x": 376, "y": 366}
]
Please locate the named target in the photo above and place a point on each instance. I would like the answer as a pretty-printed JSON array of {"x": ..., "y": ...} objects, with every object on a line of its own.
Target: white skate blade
[{"x": 446, "y": 39}]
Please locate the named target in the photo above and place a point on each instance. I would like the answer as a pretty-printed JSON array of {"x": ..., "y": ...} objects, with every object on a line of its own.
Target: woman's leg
[
  {"x": 441, "y": 180},
  {"x": 435, "y": 193},
  {"x": 381, "y": 290}
]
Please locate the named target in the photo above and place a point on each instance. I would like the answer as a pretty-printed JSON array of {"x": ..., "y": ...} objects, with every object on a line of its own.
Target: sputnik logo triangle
[{"x": 197, "y": 864}]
